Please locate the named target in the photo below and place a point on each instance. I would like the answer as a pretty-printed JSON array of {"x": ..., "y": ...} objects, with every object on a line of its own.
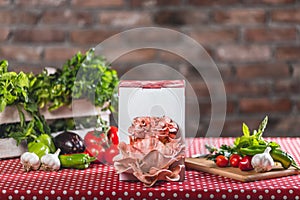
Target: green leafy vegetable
[{"x": 83, "y": 76}]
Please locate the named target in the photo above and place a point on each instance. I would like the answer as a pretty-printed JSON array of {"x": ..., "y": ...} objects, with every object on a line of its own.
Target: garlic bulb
[
  {"x": 263, "y": 162},
  {"x": 30, "y": 161},
  {"x": 51, "y": 162}
]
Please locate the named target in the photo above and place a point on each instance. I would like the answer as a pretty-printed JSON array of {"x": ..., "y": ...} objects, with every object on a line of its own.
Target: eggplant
[{"x": 69, "y": 143}]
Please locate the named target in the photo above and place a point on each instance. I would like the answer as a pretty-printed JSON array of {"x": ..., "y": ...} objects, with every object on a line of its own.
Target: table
[{"x": 101, "y": 182}]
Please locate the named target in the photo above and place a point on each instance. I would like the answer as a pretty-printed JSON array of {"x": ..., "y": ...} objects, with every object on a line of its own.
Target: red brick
[
  {"x": 296, "y": 71},
  {"x": 125, "y": 18},
  {"x": 151, "y": 36},
  {"x": 168, "y": 2},
  {"x": 178, "y": 54},
  {"x": 288, "y": 53},
  {"x": 97, "y": 3},
  {"x": 298, "y": 107},
  {"x": 90, "y": 36},
  {"x": 179, "y": 17},
  {"x": 278, "y": 1},
  {"x": 287, "y": 126},
  {"x": 170, "y": 57},
  {"x": 145, "y": 3},
  {"x": 38, "y": 35},
  {"x": 241, "y": 88},
  {"x": 263, "y": 105},
  {"x": 212, "y": 2},
  {"x": 137, "y": 56},
  {"x": 233, "y": 126},
  {"x": 225, "y": 70},
  {"x": 80, "y": 18},
  {"x": 263, "y": 71},
  {"x": 209, "y": 37},
  {"x": 287, "y": 87},
  {"x": 20, "y": 53},
  {"x": 270, "y": 34},
  {"x": 3, "y": 34},
  {"x": 243, "y": 53},
  {"x": 200, "y": 89},
  {"x": 153, "y": 3},
  {"x": 286, "y": 15},
  {"x": 240, "y": 16},
  {"x": 41, "y": 2},
  {"x": 18, "y": 17},
  {"x": 269, "y": 1},
  {"x": 4, "y": 2},
  {"x": 60, "y": 53},
  {"x": 205, "y": 108}
]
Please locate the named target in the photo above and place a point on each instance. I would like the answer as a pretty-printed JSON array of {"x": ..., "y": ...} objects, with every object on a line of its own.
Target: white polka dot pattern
[{"x": 101, "y": 182}]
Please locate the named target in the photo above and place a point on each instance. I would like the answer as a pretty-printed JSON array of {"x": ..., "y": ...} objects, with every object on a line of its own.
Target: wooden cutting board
[{"x": 202, "y": 164}]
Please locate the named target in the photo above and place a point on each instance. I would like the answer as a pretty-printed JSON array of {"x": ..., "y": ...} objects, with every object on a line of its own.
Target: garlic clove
[
  {"x": 30, "y": 161},
  {"x": 51, "y": 162},
  {"x": 263, "y": 162}
]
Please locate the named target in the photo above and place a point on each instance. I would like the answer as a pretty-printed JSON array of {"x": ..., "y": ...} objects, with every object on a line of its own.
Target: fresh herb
[
  {"x": 224, "y": 150},
  {"x": 247, "y": 141},
  {"x": 83, "y": 76}
]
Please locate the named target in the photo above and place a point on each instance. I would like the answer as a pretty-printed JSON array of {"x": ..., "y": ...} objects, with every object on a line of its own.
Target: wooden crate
[
  {"x": 9, "y": 148},
  {"x": 79, "y": 108}
]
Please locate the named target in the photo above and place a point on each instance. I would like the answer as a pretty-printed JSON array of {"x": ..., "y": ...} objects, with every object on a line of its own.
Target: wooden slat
[
  {"x": 9, "y": 148},
  {"x": 79, "y": 108},
  {"x": 202, "y": 164}
]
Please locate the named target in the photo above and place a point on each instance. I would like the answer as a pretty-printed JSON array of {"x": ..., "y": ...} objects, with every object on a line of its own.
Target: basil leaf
[{"x": 246, "y": 130}]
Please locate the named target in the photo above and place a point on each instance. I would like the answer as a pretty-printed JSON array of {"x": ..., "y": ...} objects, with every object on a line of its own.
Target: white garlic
[
  {"x": 263, "y": 162},
  {"x": 51, "y": 162},
  {"x": 30, "y": 161}
]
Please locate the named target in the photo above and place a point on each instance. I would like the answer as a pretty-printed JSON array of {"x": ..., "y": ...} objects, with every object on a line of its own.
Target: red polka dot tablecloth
[{"x": 101, "y": 181}]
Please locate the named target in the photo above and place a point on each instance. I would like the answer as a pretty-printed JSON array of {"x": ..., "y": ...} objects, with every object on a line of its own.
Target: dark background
[{"x": 255, "y": 45}]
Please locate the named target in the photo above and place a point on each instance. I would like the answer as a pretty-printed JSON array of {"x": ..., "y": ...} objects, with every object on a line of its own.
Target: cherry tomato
[
  {"x": 113, "y": 135},
  {"x": 245, "y": 163},
  {"x": 110, "y": 153},
  {"x": 234, "y": 160},
  {"x": 96, "y": 151},
  {"x": 221, "y": 161}
]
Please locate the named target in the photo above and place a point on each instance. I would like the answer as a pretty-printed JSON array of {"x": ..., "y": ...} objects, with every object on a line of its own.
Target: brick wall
[{"x": 255, "y": 45}]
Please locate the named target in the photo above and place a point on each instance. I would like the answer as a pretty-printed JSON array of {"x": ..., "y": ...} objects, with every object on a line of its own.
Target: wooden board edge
[{"x": 190, "y": 163}]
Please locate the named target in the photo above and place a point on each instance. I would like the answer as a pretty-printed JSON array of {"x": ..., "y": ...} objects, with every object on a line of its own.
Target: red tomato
[
  {"x": 234, "y": 160},
  {"x": 245, "y": 163},
  {"x": 221, "y": 161},
  {"x": 110, "y": 153},
  {"x": 113, "y": 135}
]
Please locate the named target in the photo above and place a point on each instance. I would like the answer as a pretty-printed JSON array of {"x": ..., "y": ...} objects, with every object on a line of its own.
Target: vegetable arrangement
[
  {"x": 41, "y": 157},
  {"x": 83, "y": 76},
  {"x": 251, "y": 151}
]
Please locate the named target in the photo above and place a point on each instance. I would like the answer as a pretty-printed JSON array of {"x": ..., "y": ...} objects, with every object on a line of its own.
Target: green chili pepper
[
  {"x": 47, "y": 140},
  {"x": 284, "y": 158},
  {"x": 40, "y": 149},
  {"x": 251, "y": 151},
  {"x": 76, "y": 161}
]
